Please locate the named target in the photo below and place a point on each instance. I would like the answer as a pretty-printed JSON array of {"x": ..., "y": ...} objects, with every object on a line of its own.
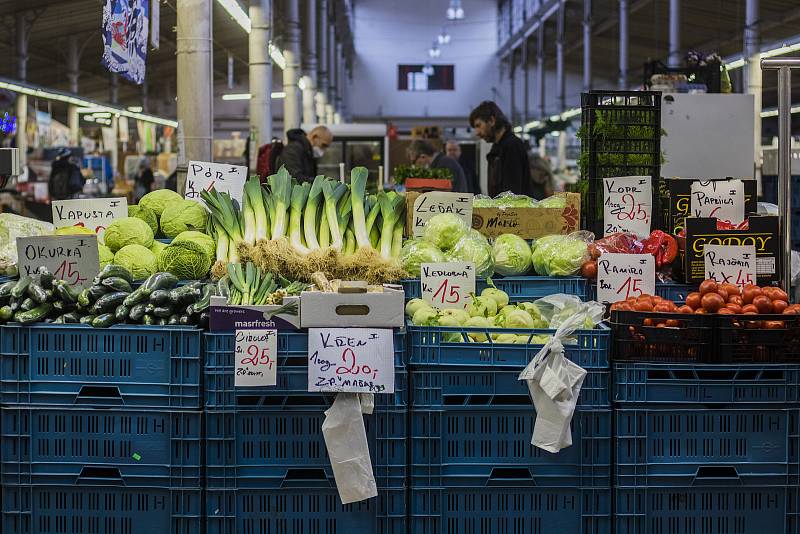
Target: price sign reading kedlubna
[
  {"x": 255, "y": 354},
  {"x": 354, "y": 360},
  {"x": 731, "y": 264},
  {"x": 447, "y": 285},
  {"x": 621, "y": 276},
  {"x": 627, "y": 205}
]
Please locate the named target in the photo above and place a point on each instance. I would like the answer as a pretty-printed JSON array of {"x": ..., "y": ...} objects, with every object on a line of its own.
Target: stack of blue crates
[
  {"x": 100, "y": 430},
  {"x": 267, "y": 466}
]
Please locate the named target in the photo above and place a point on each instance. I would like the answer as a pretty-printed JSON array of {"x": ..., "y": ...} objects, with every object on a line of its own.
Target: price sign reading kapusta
[
  {"x": 447, "y": 285},
  {"x": 627, "y": 205},
  {"x": 622, "y": 276},
  {"x": 354, "y": 360},
  {"x": 256, "y": 357},
  {"x": 731, "y": 264},
  {"x": 93, "y": 213}
]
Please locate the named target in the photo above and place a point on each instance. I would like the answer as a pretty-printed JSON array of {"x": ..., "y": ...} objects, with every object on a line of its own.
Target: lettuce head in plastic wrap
[
  {"x": 512, "y": 255},
  {"x": 560, "y": 255},
  {"x": 474, "y": 247},
  {"x": 418, "y": 251},
  {"x": 444, "y": 229},
  {"x": 14, "y": 226}
]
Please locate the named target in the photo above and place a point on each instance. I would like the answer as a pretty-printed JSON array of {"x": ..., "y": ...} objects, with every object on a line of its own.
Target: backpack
[
  {"x": 59, "y": 187},
  {"x": 267, "y": 159}
]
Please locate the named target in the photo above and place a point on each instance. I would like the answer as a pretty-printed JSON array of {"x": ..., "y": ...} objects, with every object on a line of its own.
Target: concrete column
[
  {"x": 587, "y": 45},
  {"x": 329, "y": 114},
  {"x": 73, "y": 122},
  {"x": 560, "y": 84},
  {"x": 114, "y": 148},
  {"x": 113, "y": 88},
  {"x": 674, "y": 59},
  {"x": 260, "y": 74},
  {"x": 195, "y": 81},
  {"x": 562, "y": 151},
  {"x": 526, "y": 111},
  {"x": 340, "y": 74},
  {"x": 145, "y": 97},
  {"x": 333, "y": 65},
  {"x": 73, "y": 74},
  {"x": 623, "y": 44},
  {"x": 512, "y": 68},
  {"x": 540, "y": 72},
  {"x": 310, "y": 60},
  {"x": 752, "y": 76},
  {"x": 322, "y": 63},
  {"x": 22, "y": 73},
  {"x": 292, "y": 109}
]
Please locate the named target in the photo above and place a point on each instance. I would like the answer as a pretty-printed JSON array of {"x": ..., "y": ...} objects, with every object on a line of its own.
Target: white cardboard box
[{"x": 378, "y": 310}]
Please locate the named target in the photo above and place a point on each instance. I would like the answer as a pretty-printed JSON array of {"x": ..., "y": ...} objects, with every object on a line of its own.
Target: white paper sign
[
  {"x": 723, "y": 199},
  {"x": 72, "y": 258},
  {"x": 732, "y": 264},
  {"x": 447, "y": 285},
  {"x": 435, "y": 202},
  {"x": 202, "y": 175},
  {"x": 256, "y": 358},
  {"x": 621, "y": 276},
  {"x": 627, "y": 205},
  {"x": 94, "y": 213},
  {"x": 355, "y": 360}
]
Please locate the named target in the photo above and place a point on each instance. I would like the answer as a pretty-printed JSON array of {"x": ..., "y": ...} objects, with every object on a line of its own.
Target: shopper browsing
[
  {"x": 453, "y": 150},
  {"x": 423, "y": 154},
  {"x": 302, "y": 151}
]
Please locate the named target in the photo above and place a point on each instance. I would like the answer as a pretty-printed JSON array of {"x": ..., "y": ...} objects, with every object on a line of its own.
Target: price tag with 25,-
[
  {"x": 621, "y": 276},
  {"x": 447, "y": 285},
  {"x": 256, "y": 357}
]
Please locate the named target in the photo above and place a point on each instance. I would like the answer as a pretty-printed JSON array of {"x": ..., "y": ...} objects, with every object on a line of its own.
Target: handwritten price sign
[
  {"x": 354, "y": 360},
  {"x": 202, "y": 176},
  {"x": 256, "y": 357},
  {"x": 72, "y": 258},
  {"x": 435, "y": 202},
  {"x": 627, "y": 205},
  {"x": 621, "y": 276},
  {"x": 94, "y": 213},
  {"x": 723, "y": 199},
  {"x": 447, "y": 285},
  {"x": 731, "y": 264}
]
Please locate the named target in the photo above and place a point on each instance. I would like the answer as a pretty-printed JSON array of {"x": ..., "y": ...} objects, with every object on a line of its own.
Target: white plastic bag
[{"x": 14, "y": 226}]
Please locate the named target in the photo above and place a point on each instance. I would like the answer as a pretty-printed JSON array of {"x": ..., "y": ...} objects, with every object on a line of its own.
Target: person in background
[
  {"x": 422, "y": 154},
  {"x": 302, "y": 151},
  {"x": 453, "y": 150},
  {"x": 66, "y": 179},
  {"x": 172, "y": 181},
  {"x": 541, "y": 176},
  {"x": 509, "y": 168},
  {"x": 144, "y": 179}
]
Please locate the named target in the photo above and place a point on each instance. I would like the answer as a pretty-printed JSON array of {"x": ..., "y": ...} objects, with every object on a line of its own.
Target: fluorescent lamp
[
  {"x": 278, "y": 94},
  {"x": 135, "y": 109},
  {"x": 88, "y": 118},
  {"x": 246, "y": 96},
  {"x": 277, "y": 56},
  {"x": 103, "y": 114},
  {"x": 774, "y": 112},
  {"x": 737, "y": 62},
  {"x": 237, "y": 13}
]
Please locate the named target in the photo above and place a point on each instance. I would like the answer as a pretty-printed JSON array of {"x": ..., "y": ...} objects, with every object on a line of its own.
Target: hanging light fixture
[
  {"x": 444, "y": 37},
  {"x": 455, "y": 11},
  {"x": 427, "y": 70},
  {"x": 434, "y": 50}
]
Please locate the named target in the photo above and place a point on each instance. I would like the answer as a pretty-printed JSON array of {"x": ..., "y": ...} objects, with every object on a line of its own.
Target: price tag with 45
[
  {"x": 255, "y": 356},
  {"x": 730, "y": 264},
  {"x": 447, "y": 285}
]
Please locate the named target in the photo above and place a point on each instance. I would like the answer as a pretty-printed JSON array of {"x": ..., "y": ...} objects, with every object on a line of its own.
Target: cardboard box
[
  {"x": 680, "y": 199},
  {"x": 378, "y": 310},
  {"x": 226, "y": 318},
  {"x": 763, "y": 233}
]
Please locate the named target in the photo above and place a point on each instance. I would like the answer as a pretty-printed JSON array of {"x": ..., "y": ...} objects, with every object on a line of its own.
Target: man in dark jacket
[
  {"x": 66, "y": 179},
  {"x": 423, "y": 154},
  {"x": 509, "y": 169},
  {"x": 453, "y": 150},
  {"x": 302, "y": 151}
]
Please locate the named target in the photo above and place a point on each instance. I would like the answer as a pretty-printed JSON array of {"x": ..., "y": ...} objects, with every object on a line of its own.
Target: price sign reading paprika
[
  {"x": 732, "y": 264},
  {"x": 621, "y": 276},
  {"x": 72, "y": 258},
  {"x": 627, "y": 205},
  {"x": 256, "y": 357},
  {"x": 447, "y": 285},
  {"x": 354, "y": 360},
  {"x": 723, "y": 199}
]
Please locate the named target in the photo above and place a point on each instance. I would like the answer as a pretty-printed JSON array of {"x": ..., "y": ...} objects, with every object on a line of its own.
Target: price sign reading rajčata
[
  {"x": 447, "y": 285},
  {"x": 723, "y": 199},
  {"x": 732, "y": 264},
  {"x": 621, "y": 276},
  {"x": 627, "y": 205},
  {"x": 72, "y": 258},
  {"x": 202, "y": 176},
  {"x": 93, "y": 213},
  {"x": 354, "y": 360},
  {"x": 256, "y": 358},
  {"x": 436, "y": 202}
]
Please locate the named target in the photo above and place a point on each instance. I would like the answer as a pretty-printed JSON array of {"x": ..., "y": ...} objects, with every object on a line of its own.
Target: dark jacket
[
  {"x": 468, "y": 164},
  {"x": 298, "y": 157},
  {"x": 509, "y": 169},
  {"x": 66, "y": 180},
  {"x": 440, "y": 161},
  {"x": 541, "y": 177}
]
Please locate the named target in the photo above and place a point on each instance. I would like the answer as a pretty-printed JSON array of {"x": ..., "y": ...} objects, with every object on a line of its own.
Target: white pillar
[
  {"x": 322, "y": 60},
  {"x": 623, "y": 44},
  {"x": 752, "y": 76},
  {"x": 73, "y": 74},
  {"x": 329, "y": 113},
  {"x": 526, "y": 111},
  {"x": 540, "y": 72},
  {"x": 512, "y": 68},
  {"x": 562, "y": 151},
  {"x": 260, "y": 74},
  {"x": 340, "y": 79},
  {"x": 22, "y": 100},
  {"x": 292, "y": 110},
  {"x": 114, "y": 148},
  {"x": 674, "y": 59},
  {"x": 310, "y": 61},
  {"x": 587, "y": 45},
  {"x": 73, "y": 121},
  {"x": 560, "y": 84}
]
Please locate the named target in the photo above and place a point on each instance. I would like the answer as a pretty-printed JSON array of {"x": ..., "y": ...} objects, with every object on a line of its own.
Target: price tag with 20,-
[
  {"x": 255, "y": 355},
  {"x": 447, "y": 285}
]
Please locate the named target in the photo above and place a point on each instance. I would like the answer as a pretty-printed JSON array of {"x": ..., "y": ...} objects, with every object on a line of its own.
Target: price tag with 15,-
[
  {"x": 447, "y": 285},
  {"x": 621, "y": 276},
  {"x": 256, "y": 357},
  {"x": 354, "y": 360},
  {"x": 730, "y": 264}
]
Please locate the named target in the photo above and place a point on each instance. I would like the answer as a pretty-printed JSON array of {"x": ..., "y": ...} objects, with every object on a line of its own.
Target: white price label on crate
[
  {"x": 436, "y": 202},
  {"x": 732, "y": 264},
  {"x": 256, "y": 357},
  {"x": 627, "y": 205},
  {"x": 447, "y": 285},
  {"x": 621, "y": 276},
  {"x": 723, "y": 199},
  {"x": 72, "y": 258},
  {"x": 203, "y": 175},
  {"x": 354, "y": 360},
  {"x": 93, "y": 213}
]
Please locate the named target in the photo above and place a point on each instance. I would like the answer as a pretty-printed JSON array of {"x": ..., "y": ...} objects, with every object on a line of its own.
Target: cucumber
[
  {"x": 14, "y": 303},
  {"x": 148, "y": 319},
  {"x": 116, "y": 271},
  {"x": 121, "y": 313},
  {"x": 33, "y": 315},
  {"x": 65, "y": 292},
  {"x": 117, "y": 283},
  {"x": 58, "y": 320},
  {"x": 19, "y": 288},
  {"x": 203, "y": 322},
  {"x": 103, "y": 321},
  {"x": 184, "y": 295},
  {"x": 37, "y": 293},
  {"x": 87, "y": 319},
  {"x": 204, "y": 302},
  {"x": 83, "y": 298},
  {"x": 97, "y": 291},
  {"x": 5, "y": 289},
  {"x": 28, "y": 304},
  {"x": 45, "y": 278},
  {"x": 137, "y": 312},
  {"x": 174, "y": 319},
  {"x": 162, "y": 321},
  {"x": 160, "y": 281},
  {"x": 71, "y": 318},
  {"x": 6, "y": 313},
  {"x": 138, "y": 296},
  {"x": 185, "y": 320},
  {"x": 108, "y": 303},
  {"x": 159, "y": 297},
  {"x": 162, "y": 311},
  {"x": 63, "y": 307}
]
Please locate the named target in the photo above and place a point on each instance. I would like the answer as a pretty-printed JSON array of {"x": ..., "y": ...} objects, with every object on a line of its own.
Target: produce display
[
  {"x": 404, "y": 172},
  {"x": 14, "y": 226},
  {"x": 254, "y": 287},
  {"x": 512, "y": 200},
  {"x": 662, "y": 246}
]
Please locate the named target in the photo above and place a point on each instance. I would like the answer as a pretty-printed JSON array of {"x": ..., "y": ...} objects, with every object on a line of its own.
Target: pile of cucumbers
[{"x": 110, "y": 300}]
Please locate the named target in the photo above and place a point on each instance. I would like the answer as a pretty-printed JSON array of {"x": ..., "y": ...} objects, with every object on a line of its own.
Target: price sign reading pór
[
  {"x": 732, "y": 264},
  {"x": 72, "y": 258},
  {"x": 621, "y": 276},
  {"x": 436, "y": 202},
  {"x": 447, "y": 285},
  {"x": 627, "y": 205},
  {"x": 256, "y": 358},
  {"x": 202, "y": 176},
  {"x": 354, "y": 360}
]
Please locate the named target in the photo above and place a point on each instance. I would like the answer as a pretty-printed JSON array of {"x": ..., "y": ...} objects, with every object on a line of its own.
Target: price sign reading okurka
[
  {"x": 627, "y": 205},
  {"x": 202, "y": 176},
  {"x": 723, "y": 199},
  {"x": 732, "y": 264},
  {"x": 354, "y": 360},
  {"x": 435, "y": 202},
  {"x": 256, "y": 357},
  {"x": 72, "y": 258},
  {"x": 93, "y": 213},
  {"x": 621, "y": 276},
  {"x": 447, "y": 285}
]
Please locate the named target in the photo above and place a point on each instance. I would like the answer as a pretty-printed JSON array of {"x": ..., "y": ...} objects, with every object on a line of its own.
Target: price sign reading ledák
[
  {"x": 72, "y": 258},
  {"x": 354, "y": 360},
  {"x": 437, "y": 202},
  {"x": 731, "y": 264},
  {"x": 256, "y": 357},
  {"x": 202, "y": 176},
  {"x": 447, "y": 285},
  {"x": 627, "y": 205},
  {"x": 621, "y": 276}
]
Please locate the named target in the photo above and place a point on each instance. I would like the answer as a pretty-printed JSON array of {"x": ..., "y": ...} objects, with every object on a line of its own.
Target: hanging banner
[
  {"x": 125, "y": 29},
  {"x": 155, "y": 22}
]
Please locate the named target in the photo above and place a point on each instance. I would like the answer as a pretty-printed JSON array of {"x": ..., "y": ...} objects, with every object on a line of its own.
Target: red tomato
[
  {"x": 735, "y": 299},
  {"x": 673, "y": 323},
  {"x": 712, "y": 302},
  {"x": 734, "y": 307},
  {"x": 693, "y": 300},
  {"x": 731, "y": 289},
  {"x": 749, "y": 308},
  {"x": 778, "y": 306},
  {"x": 685, "y": 309},
  {"x": 772, "y": 325},
  {"x": 763, "y": 304},
  {"x": 662, "y": 308},
  {"x": 643, "y": 306},
  {"x": 780, "y": 294},
  {"x": 700, "y": 311},
  {"x": 708, "y": 286},
  {"x": 726, "y": 311},
  {"x": 647, "y": 322},
  {"x": 751, "y": 292}
]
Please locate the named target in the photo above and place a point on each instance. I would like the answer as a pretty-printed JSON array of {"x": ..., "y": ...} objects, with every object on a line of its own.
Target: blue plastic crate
[
  {"x": 519, "y": 287},
  {"x": 136, "y": 447},
  {"x": 437, "y": 387},
  {"x": 263, "y": 449},
  {"x": 757, "y": 446},
  {"x": 303, "y": 507},
  {"x": 431, "y": 345},
  {"x": 656, "y": 383},
  {"x": 292, "y": 375},
  {"x": 720, "y": 509},
  {"x": 466, "y": 445},
  {"x": 504, "y": 507},
  {"x": 141, "y": 366},
  {"x": 100, "y": 509}
]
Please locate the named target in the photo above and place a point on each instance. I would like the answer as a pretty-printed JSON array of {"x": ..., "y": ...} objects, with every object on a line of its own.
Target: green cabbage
[
  {"x": 182, "y": 216},
  {"x": 416, "y": 252},
  {"x": 157, "y": 247},
  {"x": 512, "y": 255},
  {"x": 504, "y": 200},
  {"x": 106, "y": 256},
  {"x": 559, "y": 255},
  {"x": 559, "y": 202},
  {"x": 159, "y": 200},
  {"x": 137, "y": 259},
  {"x": 206, "y": 241},
  {"x": 473, "y": 247},
  {"x": 188, "y": 260},
  {"x": 145, "y": 214},
  {"x": 444, "y": 230},
  {"x": 128, "y": 231}
]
